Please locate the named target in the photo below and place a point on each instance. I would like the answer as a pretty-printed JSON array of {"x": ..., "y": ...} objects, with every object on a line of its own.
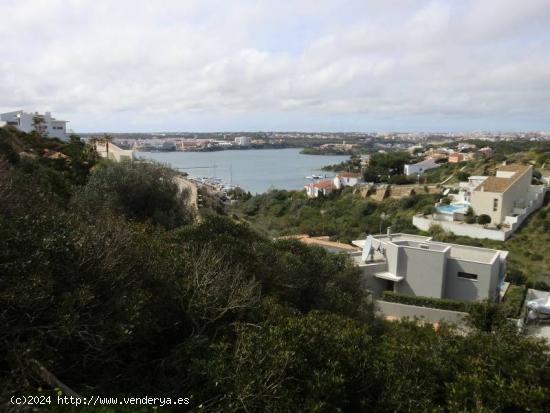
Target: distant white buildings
[
  {"x": 420, "y": 167},
  {"x": 243, "y": 140},
  {"x": 44, "y": 123}
]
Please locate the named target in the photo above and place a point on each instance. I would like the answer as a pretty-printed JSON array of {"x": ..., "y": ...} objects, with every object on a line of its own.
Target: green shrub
[
  {"x": 513, "y": 300},
  {"x": 462, "y": 176},
  {"x": 443, "y": 304},
  {"x": 428, "y": 210},
  {"x": 516, "y": 277},
  {"x": 470, "y": 219},
  {"x": 141, "y": 191},
  {"x": 483, "y": 219}
]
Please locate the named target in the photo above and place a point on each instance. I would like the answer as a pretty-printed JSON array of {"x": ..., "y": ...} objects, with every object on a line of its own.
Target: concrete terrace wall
[
  {"x": 467, "y": 230},
  {"x": 528, "y": 211},
  {"x": 430, "y": 315}
]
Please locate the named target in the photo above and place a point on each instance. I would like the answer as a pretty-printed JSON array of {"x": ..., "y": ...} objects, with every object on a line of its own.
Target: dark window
[
  {"x": 467, "y": 275},
  {"x": 495, "y": 204}
]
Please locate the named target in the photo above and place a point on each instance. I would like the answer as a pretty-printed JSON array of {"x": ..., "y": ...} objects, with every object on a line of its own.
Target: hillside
[{"x": 109, "y": 287}]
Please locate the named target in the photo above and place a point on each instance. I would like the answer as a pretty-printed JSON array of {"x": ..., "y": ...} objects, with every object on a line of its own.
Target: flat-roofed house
[
  {"x": 505, "y": 194},
  {"x": 417, "y": 266},
  {"x": 27, "y": 122},
  {"x": 420, "y": 167}
]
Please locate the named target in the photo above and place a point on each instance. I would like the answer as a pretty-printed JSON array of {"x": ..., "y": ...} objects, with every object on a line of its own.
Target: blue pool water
[{"x": 453, "y": 207}]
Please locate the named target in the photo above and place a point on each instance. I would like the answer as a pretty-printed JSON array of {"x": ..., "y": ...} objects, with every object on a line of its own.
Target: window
[
  {"x": 495, "y": 204},
  {"x": 467, "y": 275}
]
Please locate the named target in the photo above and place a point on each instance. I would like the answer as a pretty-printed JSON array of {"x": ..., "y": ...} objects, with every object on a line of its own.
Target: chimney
[{"x": 388, "y": 231}]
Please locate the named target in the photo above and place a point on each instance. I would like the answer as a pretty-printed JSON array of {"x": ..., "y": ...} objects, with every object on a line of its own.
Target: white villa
[
  {"x": 320, "y": 187},
  {"x": 27, "y": 121},
  {"x": 347, "y": 179},
  {"x": 420, "y": 167},
  {"x": 326, "y": 186},
  {"x": 507, "y": 198}
]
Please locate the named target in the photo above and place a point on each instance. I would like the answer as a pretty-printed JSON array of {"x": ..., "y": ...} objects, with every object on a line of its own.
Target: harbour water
[{"x": 254, "y": 170}]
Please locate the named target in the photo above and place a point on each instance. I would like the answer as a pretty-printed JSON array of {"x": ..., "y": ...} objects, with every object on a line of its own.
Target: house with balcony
[
  {"x": 507, "y": 198},
  {"x": 28, "y": 122},
  {"x": 418, "y": 266}
]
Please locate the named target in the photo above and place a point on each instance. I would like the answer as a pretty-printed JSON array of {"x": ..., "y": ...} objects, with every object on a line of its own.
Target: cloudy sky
[{"x": 318, "y": 65}]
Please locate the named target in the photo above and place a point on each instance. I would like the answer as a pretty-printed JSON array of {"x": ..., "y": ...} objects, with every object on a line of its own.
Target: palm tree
[{"x": 106, "y": 139}]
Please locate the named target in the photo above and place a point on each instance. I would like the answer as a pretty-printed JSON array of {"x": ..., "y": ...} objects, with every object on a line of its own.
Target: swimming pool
[{"x": 456, "y": 207}]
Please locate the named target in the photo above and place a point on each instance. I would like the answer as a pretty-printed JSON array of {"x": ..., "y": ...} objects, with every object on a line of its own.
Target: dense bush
[
  {"x": 483, "y": 219},
  {"x": 142, "y": 192},
  {"x": 442, "y": 304},
  {"x": 513, "y": 300},
  {"x": 122, "y": 302},
  {"x": 462, "y": 176}
]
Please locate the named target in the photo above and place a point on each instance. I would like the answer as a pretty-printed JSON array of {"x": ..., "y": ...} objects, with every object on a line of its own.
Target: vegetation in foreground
[{"x": 114, "y": 301}]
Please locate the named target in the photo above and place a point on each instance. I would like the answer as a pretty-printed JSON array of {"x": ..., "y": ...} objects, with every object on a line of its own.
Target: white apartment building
[
  {"x": 417, "y": 266},
  {"x": 243, "y": 140},
  {"x": 28, "y": 121}
]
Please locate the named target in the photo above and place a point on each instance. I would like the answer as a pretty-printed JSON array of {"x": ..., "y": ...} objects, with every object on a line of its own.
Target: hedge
[
  {"x": 513, "y": 300},
  {"x": 441, "y": 303}
]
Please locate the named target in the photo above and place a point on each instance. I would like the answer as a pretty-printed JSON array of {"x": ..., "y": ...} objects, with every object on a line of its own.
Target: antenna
[{"x": 367, "y": 249}]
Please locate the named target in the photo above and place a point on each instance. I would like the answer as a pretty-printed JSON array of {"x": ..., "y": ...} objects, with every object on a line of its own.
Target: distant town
[{"x": 314, "y": 143}]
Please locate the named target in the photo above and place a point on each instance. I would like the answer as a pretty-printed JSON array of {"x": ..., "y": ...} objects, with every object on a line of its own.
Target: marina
[{"x": 254, "y": 170}]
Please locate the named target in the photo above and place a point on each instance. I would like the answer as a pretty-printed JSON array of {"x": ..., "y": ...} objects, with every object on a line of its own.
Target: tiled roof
[
  {"x": 326, "y": 184},
  {"x": 514, "y": 167},
  {"x": 349, "y": 175},
  {"x": 497, "y": 184},
  {"x": 494, "y": 184}
]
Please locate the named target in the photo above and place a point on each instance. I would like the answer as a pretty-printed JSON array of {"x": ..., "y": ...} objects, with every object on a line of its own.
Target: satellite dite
[{"x": 368, "y": 250}]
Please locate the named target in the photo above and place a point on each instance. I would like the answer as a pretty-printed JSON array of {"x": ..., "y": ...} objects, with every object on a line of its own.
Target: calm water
[{"x": 255, "y": 170}]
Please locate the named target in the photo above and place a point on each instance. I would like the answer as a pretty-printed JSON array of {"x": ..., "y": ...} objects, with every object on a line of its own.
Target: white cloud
[{"x": 232, "y": 65}]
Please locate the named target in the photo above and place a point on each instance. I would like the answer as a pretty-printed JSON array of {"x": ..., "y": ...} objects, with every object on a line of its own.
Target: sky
[{"x": 261, "y": 65}]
